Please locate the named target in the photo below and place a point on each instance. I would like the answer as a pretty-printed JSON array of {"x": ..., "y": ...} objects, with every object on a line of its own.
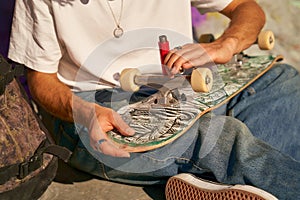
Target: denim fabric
[
  {"x": 217, "y": 145},
  {"x": 271, "y": 109}
]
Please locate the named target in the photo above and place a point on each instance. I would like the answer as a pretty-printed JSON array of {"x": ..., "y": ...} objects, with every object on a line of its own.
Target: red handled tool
[{"x": 164, "y": 48}]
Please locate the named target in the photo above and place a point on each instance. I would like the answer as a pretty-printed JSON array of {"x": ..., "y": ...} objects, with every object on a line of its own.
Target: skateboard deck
[{"x": 157, "y": 124}]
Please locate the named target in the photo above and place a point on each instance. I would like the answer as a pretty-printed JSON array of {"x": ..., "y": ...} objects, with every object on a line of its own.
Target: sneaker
[{"x": 188, "y": 187}]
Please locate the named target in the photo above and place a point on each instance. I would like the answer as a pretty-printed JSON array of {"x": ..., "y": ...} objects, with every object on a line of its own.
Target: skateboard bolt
[
  {"x": 116, "y": 76},
  {"x": 207, "y": 80}
]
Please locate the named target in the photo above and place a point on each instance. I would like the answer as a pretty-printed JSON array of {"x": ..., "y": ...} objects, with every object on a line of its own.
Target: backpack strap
[
  {"x": 61, "y": 152},
  {"x": 21, "y": 170},
  {"x": 8, "y": 72}
]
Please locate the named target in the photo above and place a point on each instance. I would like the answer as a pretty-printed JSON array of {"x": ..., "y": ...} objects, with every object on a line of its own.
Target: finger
[
  {"x": 172, "y": 57},
  {"x": 175, "y": 61},
  {"x": 181, "y": 62},
  {"x": 117, "y": 152},
  {"x": 195, "y": 57},
  {"x": 178, "y": 58},
  {"x": 168, "y": 56},
  {"x": 187, "y": 65},
  {"x": 199, "y": 61},
  {"x": 106, "y": 147},
  {"x": 121, "y": 125},
  {"x": 110, "y": 149}
]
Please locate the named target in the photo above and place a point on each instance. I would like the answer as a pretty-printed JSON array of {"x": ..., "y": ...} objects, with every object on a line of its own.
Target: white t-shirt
[{"x": 75, "y": 38}]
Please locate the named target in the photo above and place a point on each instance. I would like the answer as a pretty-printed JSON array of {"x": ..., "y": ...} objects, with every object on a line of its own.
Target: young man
[{"x": 73, "y": 49}]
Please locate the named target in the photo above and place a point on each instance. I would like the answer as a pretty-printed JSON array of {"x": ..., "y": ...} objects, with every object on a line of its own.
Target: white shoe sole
[{"x": 188, "y": 187}]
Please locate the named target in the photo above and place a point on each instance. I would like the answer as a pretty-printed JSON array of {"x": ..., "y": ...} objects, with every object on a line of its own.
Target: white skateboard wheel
[
  {"x": 266, "y": 40},
  {"x": 202, "y": 80},
  {"x": 127, "y": 79}
]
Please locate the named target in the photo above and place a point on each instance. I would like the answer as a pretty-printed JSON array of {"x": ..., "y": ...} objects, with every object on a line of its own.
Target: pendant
[{"x": 118, "y": 32}]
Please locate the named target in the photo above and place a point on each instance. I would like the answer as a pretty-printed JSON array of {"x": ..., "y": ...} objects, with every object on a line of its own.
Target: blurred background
[{"x": 282, "y": 20}]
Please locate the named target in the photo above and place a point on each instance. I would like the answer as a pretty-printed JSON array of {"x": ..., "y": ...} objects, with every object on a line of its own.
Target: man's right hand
[
  {"x": 56, "y": 98},
  {"x": 102, "y": 121}
]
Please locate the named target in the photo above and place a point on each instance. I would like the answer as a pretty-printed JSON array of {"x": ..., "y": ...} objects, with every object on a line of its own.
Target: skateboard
[{"x": 181, "y": 100}]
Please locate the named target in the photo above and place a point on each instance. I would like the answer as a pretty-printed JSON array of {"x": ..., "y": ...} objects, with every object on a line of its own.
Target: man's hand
[
  {"x": 247, "y": 20},
  {"x": 104, "y": 120},
  {"x": 99, "y": 120},
  {"x": 191, "y": 55}
]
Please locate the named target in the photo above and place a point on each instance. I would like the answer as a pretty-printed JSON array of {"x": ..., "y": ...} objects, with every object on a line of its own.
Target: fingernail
[
  {"x": 126, "y": 155},
  {"x": 130, "y": 131}
]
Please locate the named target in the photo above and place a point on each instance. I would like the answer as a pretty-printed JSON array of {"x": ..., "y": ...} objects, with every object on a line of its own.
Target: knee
[
  {"x": 234, "y": 127},
  {"x": 288, "y": 78},
  {"x": 280, "y": 78},
  {"x": 224, "y": 128},
  {"x": 223, "y": 134}
]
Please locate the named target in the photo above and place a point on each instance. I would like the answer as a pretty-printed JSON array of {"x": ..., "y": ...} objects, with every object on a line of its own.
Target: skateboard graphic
[{"x": 181, "y": 100}]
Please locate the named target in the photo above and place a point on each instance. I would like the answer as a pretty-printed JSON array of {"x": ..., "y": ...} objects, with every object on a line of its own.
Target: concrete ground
[{"x": 73, "y": 185}]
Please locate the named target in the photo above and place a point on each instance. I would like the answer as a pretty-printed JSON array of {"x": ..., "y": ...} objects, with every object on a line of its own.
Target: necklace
[{"x": 118, "y": 31}]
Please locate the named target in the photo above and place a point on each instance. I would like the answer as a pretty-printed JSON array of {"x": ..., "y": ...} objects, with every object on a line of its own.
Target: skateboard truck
[
  {"x": 200, "y": 79},
  {"x": 169, "y": 97},
  {"x": 131, "y": 79}
]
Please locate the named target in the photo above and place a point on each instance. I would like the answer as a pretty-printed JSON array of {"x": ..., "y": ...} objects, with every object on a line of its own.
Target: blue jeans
[
  {"x": 257, "y": 145},
  {"x": 270, "y": 108}
]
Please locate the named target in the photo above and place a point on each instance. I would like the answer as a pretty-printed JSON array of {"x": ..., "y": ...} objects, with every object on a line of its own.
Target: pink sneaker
[{"x": 188, "y": 187}]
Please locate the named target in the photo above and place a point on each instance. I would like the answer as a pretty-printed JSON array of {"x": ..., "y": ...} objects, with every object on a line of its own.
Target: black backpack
[{"x": 28, "y": 155}]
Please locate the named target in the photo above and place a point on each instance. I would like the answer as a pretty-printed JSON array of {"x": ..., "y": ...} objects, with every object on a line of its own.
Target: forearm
[
  {"x": 247, "y": 20},
  {"x": 56, "y": 98}
]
